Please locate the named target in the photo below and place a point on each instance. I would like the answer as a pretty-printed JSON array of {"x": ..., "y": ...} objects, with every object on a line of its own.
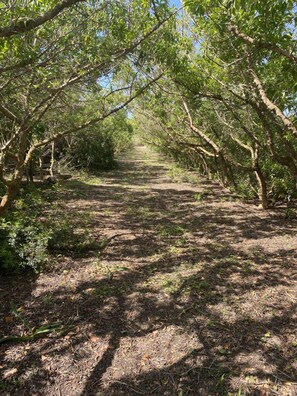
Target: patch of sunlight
[{"x": 155, "y": 351}]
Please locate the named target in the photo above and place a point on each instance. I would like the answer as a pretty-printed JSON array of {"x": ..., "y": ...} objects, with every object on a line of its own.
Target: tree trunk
[
  {"x": 52, "y": 160},
  {"x": 262, "y": 188},
  {"x": 7, "y": 199},
  {"x": 30, "y": 171},
  {"x": 41, "y": 163}
]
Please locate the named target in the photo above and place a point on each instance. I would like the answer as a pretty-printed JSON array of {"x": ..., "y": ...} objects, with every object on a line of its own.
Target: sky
[{"x": 176, "y": 3}]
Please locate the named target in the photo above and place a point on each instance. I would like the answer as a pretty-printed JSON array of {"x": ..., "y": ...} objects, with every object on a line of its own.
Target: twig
[{"x": 134, "y": 390}]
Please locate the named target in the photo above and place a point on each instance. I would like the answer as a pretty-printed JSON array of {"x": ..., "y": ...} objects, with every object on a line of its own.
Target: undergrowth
[{"x": 35, "y": 228}]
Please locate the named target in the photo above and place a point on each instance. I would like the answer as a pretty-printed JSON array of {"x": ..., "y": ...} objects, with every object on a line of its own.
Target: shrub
[
  {"x": 93, "y": 151},
  {"x": 30, "y": 232},
  {"x": 24, "y": 238},
  {"x": 23, "y": 243},
  {"x": 94, "y": 148}
]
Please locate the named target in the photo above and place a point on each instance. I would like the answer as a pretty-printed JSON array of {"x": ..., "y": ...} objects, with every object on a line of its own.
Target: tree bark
[
  {"x": 8, "y": 198},
  {"x": 26, "y": 26},
  {"x": 52, "y": 165},
  {"x": 262, "y": 188}
]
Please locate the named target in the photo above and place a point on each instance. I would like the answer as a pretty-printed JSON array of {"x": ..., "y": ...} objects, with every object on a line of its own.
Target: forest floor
[{"x": 192, "y": 292}]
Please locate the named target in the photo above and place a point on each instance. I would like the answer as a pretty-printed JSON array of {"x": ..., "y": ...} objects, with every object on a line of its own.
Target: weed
[
  {"x": 175, "y": 173},
  {"x": 175, "y": 250},
  {"x": 47, "y": 298},
  {"x": 171, "y": 286},
  {"x": 200, "y": 196},
  {"x": 194, "y": 285},
  {"x": 213, "y": 323},
  {"x": 104, "y": 291},
  {"x": 247, "y": 267},
  {"x": 9, "y": 385},
  {"x": 170, "y": 230},
  {"x": 143, "y": 212},
  {"x": 180, "y": 242},
  {"x": 266, "y": 337},
  {"x": 291, "y": 213}
]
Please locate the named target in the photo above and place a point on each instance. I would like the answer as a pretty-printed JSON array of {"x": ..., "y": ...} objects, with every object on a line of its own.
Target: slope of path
[{"x": 194, "y": 294}]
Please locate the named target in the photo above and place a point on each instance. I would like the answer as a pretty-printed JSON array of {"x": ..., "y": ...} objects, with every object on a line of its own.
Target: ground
[{"x": 191, "y": 292}]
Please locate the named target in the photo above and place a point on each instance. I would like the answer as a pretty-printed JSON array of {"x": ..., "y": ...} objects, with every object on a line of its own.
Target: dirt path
[{"x": 193, "y": 294}]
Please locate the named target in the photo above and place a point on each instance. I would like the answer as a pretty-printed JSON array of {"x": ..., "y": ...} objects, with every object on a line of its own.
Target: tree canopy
[{"x": 215, "y": 83}]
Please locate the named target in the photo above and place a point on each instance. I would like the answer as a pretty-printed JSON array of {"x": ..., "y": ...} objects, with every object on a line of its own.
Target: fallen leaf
[
  {"x": 9, "y": 373},
  {"x": 8, "y": 319},
  {"x": 93, "y": 338},
  {"x": 69, "y": 335},
  {"x": 264, "y": 392},
  {"x": 223, "y": 351}
]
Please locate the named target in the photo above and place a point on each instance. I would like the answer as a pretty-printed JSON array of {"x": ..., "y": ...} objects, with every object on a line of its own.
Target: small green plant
[
  {"x": 246, "y": 190},
  {"x": 200, "y": 196},
  {"x": 171, "y": 230},
  {"x": 171, "y": 286},
  {"x": 104, "y": 291},
  {"x": 291, "y": 213},
  {"x": 143, "y": 212},
  {"x": 47, "y": 298},
  {"x": 266, "y": 337},
  {"x": 213, "y": 323},
  {"x": 193, "y": 285},
  {"x": 23, "y": 243},
  {"x": 175, "y": 173},
  {"x": 175, "y": 250}
]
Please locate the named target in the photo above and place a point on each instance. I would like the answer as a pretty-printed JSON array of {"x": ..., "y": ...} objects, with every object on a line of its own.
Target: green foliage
[
  {"x": 71, "y": 73},
  {"x": 171, "y": 230},
  {"x": 214, "y": 113},
  {"x": 245, "y": 189},
  {"x": 31, "y": 232},
  {"x": 200, "y": 196},
  {"x": 65, "y": 236},
  {"x": 24, "y": 238},
  {"x": 94, "y": 149}
]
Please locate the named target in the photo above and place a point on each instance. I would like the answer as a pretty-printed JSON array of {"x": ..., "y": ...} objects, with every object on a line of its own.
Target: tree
[
  {"x": 232, "y": 104},
  {"x": 49, "y": 71}
]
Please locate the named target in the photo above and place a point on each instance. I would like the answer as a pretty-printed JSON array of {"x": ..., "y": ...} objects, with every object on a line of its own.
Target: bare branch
[
  {"x": 199, "y": 132},
  {"x": 8, "y": 113}
]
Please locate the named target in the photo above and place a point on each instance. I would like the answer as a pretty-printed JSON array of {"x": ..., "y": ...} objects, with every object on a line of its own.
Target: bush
[
  {"x": 30, "y": 232},
  {"x": 93, "y": 151},
  {"x": 24, "y": 238}
]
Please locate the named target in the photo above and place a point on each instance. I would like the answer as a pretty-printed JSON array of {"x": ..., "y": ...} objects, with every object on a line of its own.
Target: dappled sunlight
[
  {"x": 183, "y": 293},
  {"x": 170, "y": 344}
]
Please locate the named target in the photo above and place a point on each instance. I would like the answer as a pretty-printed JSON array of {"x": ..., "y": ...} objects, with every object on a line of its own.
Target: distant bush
[{"x": 94, "y": 149}]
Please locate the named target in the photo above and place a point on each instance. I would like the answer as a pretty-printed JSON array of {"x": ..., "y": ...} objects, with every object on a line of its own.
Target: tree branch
[
  {"x": 272, "y": 106},
  {"x": 259, "y": 44},
  {"x": 88, "y": 123},
  {"x": 26, "y": 26}
]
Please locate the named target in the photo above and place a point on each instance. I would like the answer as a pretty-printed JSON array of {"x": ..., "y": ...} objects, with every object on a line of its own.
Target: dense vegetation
[
  {"x": 230, "y": 110},
  {"x": 212, "y": 85}
]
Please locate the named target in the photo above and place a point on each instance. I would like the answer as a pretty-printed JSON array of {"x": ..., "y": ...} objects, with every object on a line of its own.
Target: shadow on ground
[{"x": 193, "y": 295}]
